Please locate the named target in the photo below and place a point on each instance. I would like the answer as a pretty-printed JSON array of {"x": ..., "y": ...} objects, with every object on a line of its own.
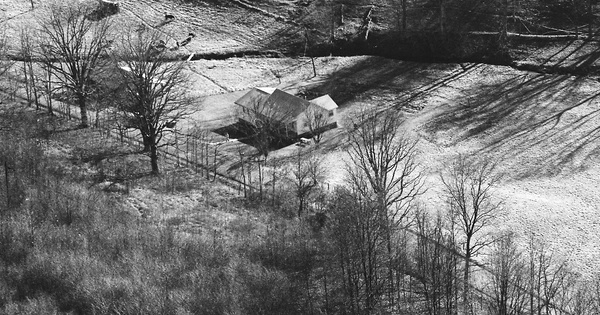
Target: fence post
[
  {"x": 7, "y": 185},
  {"x": 176, "y": 151}
]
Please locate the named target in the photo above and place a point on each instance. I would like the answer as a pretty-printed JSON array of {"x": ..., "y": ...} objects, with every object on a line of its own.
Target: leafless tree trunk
[
  {"x": 27, "y": 53},
  {"x": 243, "y": 172},
  {"x": 48, "y": 87},
  {"x": 508, "y": 278},
  {"x": 385, "y": 173},
  {"x": 359, "y": 239},
  {"x": 549, "y": 279},
  {"x": 73, "y": 46},
  {"x": 387, "y": 160},
  {"x": 436, "y": 264},
  {"x": 155, "y": 94},
  {"x": 5, "y": 63},
  {"x": 468, "y": 187},
  {"x": 307, "y": 173},
  {"x": 316, "y": 120}
]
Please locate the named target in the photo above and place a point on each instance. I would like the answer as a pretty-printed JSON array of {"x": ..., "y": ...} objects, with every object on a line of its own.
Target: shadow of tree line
[{"x": 544, "y": 124}]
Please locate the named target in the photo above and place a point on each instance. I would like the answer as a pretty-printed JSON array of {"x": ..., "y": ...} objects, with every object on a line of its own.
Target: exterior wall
[
  {"x": 302, "y": 119},
  {"x": 299, "y": 125}
]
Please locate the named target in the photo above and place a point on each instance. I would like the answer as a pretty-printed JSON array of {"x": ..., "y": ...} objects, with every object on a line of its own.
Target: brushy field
[{"x": 68, "y": 245}]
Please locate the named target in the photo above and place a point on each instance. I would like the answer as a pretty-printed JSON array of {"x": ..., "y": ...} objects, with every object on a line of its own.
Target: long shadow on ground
[
  {"x": 375, "y": 76},
  {"x": 544, "y": 124}
]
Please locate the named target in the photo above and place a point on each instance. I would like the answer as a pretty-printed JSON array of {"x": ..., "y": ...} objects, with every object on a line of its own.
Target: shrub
[
  {"x": 39, "y": 305},
  {"x": 59, "y": 282},
  {"x": 265, "y": 291}
]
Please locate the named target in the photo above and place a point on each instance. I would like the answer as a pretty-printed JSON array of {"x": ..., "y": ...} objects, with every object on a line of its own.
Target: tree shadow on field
[
  {"x": 578, "y": 56},
  {"x": 375, "y": 77},
  {"x": 542, "y": 125}
]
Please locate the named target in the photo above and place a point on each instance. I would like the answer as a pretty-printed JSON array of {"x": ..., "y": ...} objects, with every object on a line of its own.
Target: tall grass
[{"x": 69, "y": 248}]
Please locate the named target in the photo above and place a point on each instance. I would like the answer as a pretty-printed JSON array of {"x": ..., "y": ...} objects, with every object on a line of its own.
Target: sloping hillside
[{"x": 217, "y": 28}]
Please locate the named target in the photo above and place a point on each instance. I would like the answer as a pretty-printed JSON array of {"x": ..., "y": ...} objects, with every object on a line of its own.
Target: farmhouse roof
[
  {"x": 268, "y": 90},
  {"x": 253, "y": 97},
  {"x": 325, "y": 102},
  {"x": 286, "y": 104}
]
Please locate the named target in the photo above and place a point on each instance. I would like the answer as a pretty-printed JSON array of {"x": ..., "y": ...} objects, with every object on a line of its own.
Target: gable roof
[
  {"x": 287, "y": 105},
  {"x": 253, "y": 97},
  {"x": 268, "y": 90},
  {"x": 325, "y": 102}
]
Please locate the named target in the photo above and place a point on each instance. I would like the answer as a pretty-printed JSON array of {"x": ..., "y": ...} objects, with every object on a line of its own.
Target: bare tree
[
  {"x": 359, "y": 241},
  {"x": 508, "y": 277},
  {"x": 316, "y": 121},
  {"x": 384, "y": 171},
  {"x": 387, "y": 160},
  {"x": 73, "y": 47},
  {"x": 549, "y": 279},
  {"x": 436, "y": 264},
  {"x": 468, "y": 188},
  {"x": 579, "y": 299},
  {"x": 307, "y": 43},
  {"x": 31, "y": 89},
  {"x": 5, "y": 63},
  {"x": 155, "y": 94},
  {"x": 306, "y": 175},
  {"x": 48, "y": 86}
]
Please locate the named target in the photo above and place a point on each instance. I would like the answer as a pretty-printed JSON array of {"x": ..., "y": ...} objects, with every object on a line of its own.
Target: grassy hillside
[{"x": 338, "y": 27}]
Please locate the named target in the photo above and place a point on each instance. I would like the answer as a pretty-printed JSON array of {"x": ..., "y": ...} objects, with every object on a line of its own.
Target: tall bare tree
[
  {"x": 508, "y": 277},
  {"x": 468, "y": 187},
  {"x": 155, "y": 93},
  {"x": 384, "y": 171},
  {"x": 383, "y": 156},
  {"x": 436, "y": 264},
  {"x": 73, "y": 47},
  {"x": 307, "y": 174},
  {"x": 549, "y": 279},
  {"x": 5, "y": 63},
  {"x": 359, "y": 241},
  {"x": 27, "y": 53},
  {"x": 316, "y": 120}
]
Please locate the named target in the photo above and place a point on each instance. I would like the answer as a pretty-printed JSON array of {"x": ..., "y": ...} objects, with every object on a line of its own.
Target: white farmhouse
[{"x": 295, "y": 113}]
